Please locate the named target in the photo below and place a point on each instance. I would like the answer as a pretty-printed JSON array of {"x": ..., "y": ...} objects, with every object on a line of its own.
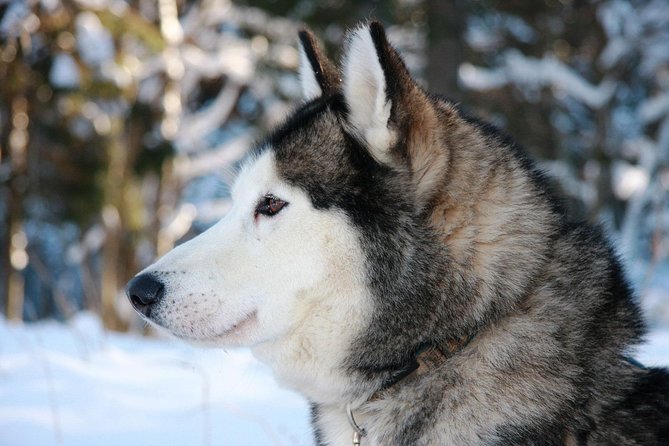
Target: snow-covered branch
[{"x": 533, "y": 73}]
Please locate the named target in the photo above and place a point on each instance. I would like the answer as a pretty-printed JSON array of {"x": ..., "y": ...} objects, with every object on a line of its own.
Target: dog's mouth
[
  {"x": 238, "y": 327},
  {"x": 232, "y": 334}
]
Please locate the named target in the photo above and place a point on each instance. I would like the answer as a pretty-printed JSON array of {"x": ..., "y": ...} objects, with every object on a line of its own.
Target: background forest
[{"x": 122, "y": 121}]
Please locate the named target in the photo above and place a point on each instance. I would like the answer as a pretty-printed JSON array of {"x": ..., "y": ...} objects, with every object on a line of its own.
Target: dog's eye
[{"x": 270, "y": 205}]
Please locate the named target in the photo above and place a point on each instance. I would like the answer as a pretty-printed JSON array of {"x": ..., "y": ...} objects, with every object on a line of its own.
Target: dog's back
[{"x": 563, "y": 349}]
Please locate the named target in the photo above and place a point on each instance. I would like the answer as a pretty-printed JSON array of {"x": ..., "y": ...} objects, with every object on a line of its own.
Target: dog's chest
[
  {"x": 455, "y": 405},
  {"x": 387, "y": 426}
]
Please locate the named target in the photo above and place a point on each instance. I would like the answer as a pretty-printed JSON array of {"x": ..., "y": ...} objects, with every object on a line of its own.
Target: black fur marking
[
  {"x": 312, "y": 54},
  {"x": 302, "y": 117},
  {"x": 318, "y": 435},
  {"x": 383, "y": 50},
  {"x": 643, "y": 416}
]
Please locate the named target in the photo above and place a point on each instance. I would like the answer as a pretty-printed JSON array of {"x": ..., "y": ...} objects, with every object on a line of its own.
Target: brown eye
[{"x": 270, "y": 205}]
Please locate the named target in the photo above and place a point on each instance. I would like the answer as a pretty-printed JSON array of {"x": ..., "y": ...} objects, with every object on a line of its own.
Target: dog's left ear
[
  {"x": 389, "y": 112},
  {"x": 318, "y": 75}
]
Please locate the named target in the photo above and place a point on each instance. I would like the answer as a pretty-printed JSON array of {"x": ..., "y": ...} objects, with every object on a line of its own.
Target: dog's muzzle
[{"x": 144, "y": 291}]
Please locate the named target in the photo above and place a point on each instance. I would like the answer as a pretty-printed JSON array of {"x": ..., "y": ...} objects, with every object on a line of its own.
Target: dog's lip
[{"x": 239, "y": 324}]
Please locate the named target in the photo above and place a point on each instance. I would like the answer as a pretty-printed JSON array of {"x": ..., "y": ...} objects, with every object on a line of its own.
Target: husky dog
[{"x": 406, "y": 268}]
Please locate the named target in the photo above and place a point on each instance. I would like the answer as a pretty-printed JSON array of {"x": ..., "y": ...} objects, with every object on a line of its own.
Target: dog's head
[
  {"x": 327, "y": 222},
  {"x": 352, "y": 165}
]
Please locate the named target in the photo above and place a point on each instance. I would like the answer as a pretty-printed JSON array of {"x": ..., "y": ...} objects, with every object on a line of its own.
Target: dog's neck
[
  {"x": 319, "y": 377},
  {"x": 428, "y": 357}
]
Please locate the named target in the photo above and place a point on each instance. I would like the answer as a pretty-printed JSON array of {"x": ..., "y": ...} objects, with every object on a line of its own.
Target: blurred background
[{"x": 122, "y": 121}]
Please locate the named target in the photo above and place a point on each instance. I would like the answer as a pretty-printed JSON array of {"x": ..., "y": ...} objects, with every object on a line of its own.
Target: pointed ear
[
  {"x": 366, "y": 91},
  {"x": 318, "y": 75},
  {"x": 389, "y": 111}
]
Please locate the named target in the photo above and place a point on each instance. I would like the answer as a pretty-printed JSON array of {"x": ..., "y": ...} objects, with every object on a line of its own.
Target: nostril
[
  {"x": 144, "y": 291},
  {"x": 136, "y": 301}
]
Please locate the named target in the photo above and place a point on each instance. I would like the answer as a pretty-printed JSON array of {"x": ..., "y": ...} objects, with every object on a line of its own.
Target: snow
[
  {"x": 655, "y": 353},
  {"x": 532, "y": 73},
  {"x": 628, "y": 179},
  {"x": 205, "y": 121},
  {"x": 64, "y": 71},
  {"x": 94, "y": 41},
  {"x": 75, "y": 384},
  {"x": 12, "y": 18},
  {"x": 654, "y": 108}
]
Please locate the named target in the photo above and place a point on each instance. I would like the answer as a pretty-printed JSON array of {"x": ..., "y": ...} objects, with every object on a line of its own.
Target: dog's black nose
[{"x": 144, "y": 291}]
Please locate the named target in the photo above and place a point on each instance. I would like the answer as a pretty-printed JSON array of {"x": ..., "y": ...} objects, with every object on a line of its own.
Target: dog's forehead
[
  {"x": 311, "y": 148},
  {"x": 313, "y": 152},
  {"x": 311, "y": 137}
]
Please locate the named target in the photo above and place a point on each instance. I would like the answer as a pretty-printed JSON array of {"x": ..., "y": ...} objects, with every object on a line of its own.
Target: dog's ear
[
  {"x": 318, "y": 75},
  {"x": 366, "y": 89},
  {"x": 389, "y": 111}
]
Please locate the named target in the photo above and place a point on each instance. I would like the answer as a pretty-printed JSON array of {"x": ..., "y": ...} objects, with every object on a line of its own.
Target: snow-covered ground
[{"x": 77, "y": 385}]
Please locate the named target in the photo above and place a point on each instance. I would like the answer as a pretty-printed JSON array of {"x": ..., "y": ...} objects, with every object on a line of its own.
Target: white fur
[
  {"x": 310, "y": 87},
  {"x": 365, "y": 93},
  {"x": 300, "y": 274}
]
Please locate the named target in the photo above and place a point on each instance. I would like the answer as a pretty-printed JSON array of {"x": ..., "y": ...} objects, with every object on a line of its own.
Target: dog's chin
[{"x": 240, "y": 334}]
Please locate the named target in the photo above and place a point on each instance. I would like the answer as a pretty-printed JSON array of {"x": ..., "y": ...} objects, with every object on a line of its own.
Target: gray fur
[
  {"x": 491, "y": 255},
  {"x": 462, "y": 240}
]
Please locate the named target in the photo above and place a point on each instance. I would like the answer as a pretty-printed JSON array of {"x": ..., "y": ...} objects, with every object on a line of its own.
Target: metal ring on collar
[{"x": 349, "y": 412}]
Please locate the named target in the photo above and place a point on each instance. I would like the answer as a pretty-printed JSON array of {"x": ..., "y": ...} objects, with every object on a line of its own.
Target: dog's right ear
[
  {"x": 390, "y": 113},
  {"x": 318, "y": 75}
]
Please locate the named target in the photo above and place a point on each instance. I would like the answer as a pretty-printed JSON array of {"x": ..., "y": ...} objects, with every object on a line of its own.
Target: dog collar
[{"x": 428, "y": 356}]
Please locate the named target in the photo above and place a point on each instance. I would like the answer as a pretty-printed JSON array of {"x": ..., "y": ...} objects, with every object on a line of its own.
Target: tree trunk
[
  {"x": 16, "y": 256},
  {"x": 446, "y": 21},
  {"x": 113, "y": 219}
]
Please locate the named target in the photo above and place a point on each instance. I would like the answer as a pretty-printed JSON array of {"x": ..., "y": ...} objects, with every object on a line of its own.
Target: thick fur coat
[{"x": 380, "y": 221}]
